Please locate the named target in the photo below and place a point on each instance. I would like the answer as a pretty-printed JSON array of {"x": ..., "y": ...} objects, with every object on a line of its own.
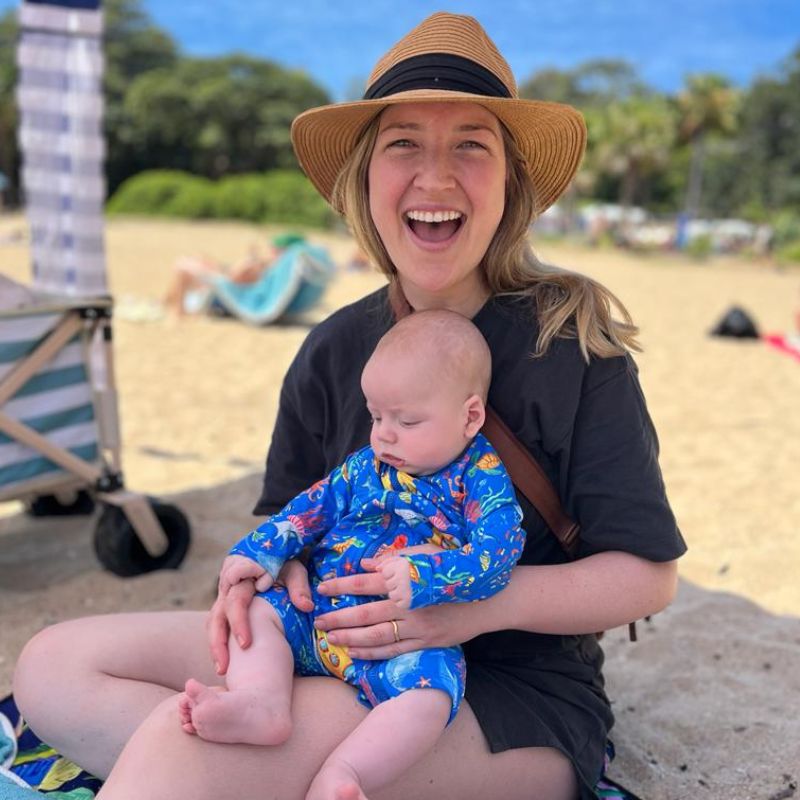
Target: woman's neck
[{"x": 467, "y": 300}]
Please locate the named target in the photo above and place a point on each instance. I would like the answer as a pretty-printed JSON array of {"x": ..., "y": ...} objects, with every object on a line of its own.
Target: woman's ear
[{"x": 476, "y": 414}]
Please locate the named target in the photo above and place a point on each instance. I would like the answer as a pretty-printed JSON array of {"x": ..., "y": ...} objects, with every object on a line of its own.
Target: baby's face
[{"x": 419, "y": 424}]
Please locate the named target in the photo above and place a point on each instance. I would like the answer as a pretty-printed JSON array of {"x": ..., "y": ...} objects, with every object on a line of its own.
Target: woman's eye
[
  {"x": 472, "y": 145},
  {"x": 402, "y": 143}
]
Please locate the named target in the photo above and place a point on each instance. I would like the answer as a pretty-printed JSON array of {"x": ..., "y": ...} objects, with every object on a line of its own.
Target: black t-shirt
[
  {"x": 586, "y": 424},
  {"x": 588, "y": 427}
]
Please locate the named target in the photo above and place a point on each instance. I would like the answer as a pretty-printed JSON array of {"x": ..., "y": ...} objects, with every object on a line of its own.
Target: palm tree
[
  {"x": 631, "y": 139},
  {"x": 707, "y": 105}
]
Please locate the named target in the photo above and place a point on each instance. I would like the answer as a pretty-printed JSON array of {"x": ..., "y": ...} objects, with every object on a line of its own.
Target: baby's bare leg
[
  {"x": 256, "y": 706},
  {"x": 394, "y": 736}
]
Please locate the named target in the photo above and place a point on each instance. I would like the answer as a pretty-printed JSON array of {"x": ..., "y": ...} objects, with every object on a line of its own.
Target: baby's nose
[{"x": 387, "y": 433}]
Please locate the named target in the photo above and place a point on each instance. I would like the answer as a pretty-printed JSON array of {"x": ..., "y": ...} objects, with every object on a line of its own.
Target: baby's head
[{"x": 426, "y": 385}]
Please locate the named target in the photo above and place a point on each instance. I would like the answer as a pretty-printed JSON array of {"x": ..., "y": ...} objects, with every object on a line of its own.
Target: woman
[
  {"x": 439, "y": 171},
  {"x": 193, "y": 277}
]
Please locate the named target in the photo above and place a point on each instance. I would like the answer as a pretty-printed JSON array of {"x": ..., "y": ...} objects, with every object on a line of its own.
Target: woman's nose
[{"x": 434, "y": 172}]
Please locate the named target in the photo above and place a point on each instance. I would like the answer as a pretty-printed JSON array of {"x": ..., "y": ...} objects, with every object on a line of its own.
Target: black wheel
[
  {"x": 51, "y": 505},
  {"x": 121, "y": 551}
]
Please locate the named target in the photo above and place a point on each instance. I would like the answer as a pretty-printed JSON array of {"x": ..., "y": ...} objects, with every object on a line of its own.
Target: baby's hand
[
  {"x": 236, "y": 569},
  {"x": 397, "y": 574}
]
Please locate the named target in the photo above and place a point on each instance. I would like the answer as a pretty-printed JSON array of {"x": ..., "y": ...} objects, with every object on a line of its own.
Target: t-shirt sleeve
[{"x": 615, "y": 488}]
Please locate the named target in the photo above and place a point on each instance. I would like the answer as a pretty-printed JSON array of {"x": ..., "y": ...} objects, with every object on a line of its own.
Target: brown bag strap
[
  {"x": 528, "y": 476},
  {"x": 523, "y": 468}
]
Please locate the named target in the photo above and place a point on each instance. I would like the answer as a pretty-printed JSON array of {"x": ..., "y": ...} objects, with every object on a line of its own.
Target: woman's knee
[{"x": 41, "y": 667}]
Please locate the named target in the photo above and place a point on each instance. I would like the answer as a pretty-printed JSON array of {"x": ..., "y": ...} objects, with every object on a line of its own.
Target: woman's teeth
[{"x": 433, "y": 216}]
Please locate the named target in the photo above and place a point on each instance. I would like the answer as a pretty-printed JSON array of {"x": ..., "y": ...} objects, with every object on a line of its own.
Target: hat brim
[{"x": 550, "y": 136}]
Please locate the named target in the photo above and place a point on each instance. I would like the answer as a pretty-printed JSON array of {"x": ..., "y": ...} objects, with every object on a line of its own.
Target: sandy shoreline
[{"x": 197, "y": 403}]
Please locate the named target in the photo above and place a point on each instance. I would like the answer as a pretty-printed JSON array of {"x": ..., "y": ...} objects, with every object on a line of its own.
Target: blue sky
[{"x": 664, "y": 40}]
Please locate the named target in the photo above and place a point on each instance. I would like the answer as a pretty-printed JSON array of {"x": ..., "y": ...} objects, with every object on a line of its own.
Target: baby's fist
[
  {"x": 397, "y": 574},
  {"x": 236, "y": 569}
]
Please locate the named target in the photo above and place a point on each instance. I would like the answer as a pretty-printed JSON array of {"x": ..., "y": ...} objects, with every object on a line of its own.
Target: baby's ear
[{"x": 476, "y": 414}]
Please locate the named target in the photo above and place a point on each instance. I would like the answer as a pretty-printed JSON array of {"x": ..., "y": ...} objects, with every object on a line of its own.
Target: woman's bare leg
[
  {"x": 87, "y": 685},
  {"x": 84, "y": 686},
  {"x": 324, "y": 712}
]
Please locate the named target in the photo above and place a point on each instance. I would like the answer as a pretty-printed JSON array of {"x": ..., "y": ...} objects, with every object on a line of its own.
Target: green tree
[
  {"x": 631, "y": 140},
  {"x": 707, "y": 106},
  {"x": 216, "y": 116},
  {"x": 9, "y": 154},
  {"x": 133, "y": 46},
  {"x": 768, "y": 140},
  {"x": 591, "y": 84}
]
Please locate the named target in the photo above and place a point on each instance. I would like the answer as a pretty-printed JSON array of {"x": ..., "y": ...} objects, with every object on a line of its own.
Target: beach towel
[
  {"x": 786, "y": 343},
  {"x": 37, "y": 765},
  {"x": 46, "y": 772},
  {"x": 293, "y": 284}
]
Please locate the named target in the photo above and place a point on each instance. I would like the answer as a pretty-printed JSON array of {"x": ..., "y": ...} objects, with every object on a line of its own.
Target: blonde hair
[
  {"x": 567, "y": 304},
  {"x": 443, "y": 343}
]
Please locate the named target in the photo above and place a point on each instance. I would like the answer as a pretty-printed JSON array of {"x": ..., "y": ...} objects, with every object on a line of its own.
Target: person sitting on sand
[
  {"x": 193, "y": 275},
  {"x": 440, "y": 170},
  {"x": 429, "y": 502}
]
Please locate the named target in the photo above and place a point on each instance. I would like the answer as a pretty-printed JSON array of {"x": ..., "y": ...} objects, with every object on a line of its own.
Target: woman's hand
[
  {"x": 229, "y": 614},
  {"x": 228, "y": 617}
]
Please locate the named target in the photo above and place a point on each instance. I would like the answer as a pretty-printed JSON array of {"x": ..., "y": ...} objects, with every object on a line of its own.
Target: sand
[{"x": 706, "y": 700}]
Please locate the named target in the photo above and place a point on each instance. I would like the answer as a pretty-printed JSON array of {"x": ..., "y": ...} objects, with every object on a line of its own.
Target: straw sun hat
[{"x": 446, "y": 58}]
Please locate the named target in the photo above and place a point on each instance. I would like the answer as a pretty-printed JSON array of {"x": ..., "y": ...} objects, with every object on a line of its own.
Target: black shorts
[{"x": 550, "y": 698}]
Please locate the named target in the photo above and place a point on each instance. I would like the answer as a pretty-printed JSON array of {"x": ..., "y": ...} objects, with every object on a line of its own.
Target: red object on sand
[{"x": 787, "y": 344}]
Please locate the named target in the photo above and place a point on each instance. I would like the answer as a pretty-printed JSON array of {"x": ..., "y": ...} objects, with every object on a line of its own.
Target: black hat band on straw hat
[{"x": 437, "y": 71}]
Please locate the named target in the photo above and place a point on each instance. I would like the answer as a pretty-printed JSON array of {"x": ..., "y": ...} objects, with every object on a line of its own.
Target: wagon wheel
[
  {"x": 121, "y": 551},
  {"x": 53, "y": 505}
]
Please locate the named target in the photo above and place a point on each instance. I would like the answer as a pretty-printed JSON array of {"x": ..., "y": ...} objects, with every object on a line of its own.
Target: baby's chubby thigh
[{"x": 435, "y": 668}]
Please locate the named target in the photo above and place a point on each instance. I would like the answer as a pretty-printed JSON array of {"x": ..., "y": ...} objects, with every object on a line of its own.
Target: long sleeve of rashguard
[{"x": 301, "y": 522}]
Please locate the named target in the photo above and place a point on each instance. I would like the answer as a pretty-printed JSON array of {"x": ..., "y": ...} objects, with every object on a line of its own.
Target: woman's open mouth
[{"x": 434, "y": 227}]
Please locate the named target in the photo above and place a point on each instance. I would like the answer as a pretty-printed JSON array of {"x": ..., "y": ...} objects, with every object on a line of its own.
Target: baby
[{"x": 430, "y": 502}]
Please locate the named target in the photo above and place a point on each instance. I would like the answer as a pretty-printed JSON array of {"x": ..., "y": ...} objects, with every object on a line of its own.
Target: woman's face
[{"x": 436, "y": 192}]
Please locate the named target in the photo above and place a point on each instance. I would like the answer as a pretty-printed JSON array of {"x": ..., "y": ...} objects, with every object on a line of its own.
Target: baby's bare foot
[
  {"x": 336, "y": 782},
  {"x": 236, "y": 717}
]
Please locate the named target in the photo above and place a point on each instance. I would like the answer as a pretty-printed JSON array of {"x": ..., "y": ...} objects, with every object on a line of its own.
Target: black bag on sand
[{"x": 736, "y": 322}]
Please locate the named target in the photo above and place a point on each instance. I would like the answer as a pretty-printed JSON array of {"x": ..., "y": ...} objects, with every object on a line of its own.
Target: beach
[{"x": 705, "y": 701}]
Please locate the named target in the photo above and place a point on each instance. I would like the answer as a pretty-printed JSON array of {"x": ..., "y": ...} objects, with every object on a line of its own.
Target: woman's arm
[{"x": 554, "y": 599}]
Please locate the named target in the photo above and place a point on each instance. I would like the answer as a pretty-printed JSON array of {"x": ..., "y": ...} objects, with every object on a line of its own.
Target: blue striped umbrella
[{"x": 60, "y": 100}]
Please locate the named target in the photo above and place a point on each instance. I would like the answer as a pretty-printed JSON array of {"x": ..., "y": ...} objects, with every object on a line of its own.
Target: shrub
[
  {"x": 278, "y": 196},
  {"x": 195, "y": 199},
  {"x": 700, "y": 247},
  {"x": 148, "y": 192},
  {"x": 241, "y": 197},
  {"x": 290, "y": 197},
  {"x": 786, "y": 226},
  {"x": 789, "y": 253}
]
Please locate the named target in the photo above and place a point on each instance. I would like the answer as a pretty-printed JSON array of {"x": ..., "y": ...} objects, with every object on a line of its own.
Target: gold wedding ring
[{"x": 396, "y": 632}]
